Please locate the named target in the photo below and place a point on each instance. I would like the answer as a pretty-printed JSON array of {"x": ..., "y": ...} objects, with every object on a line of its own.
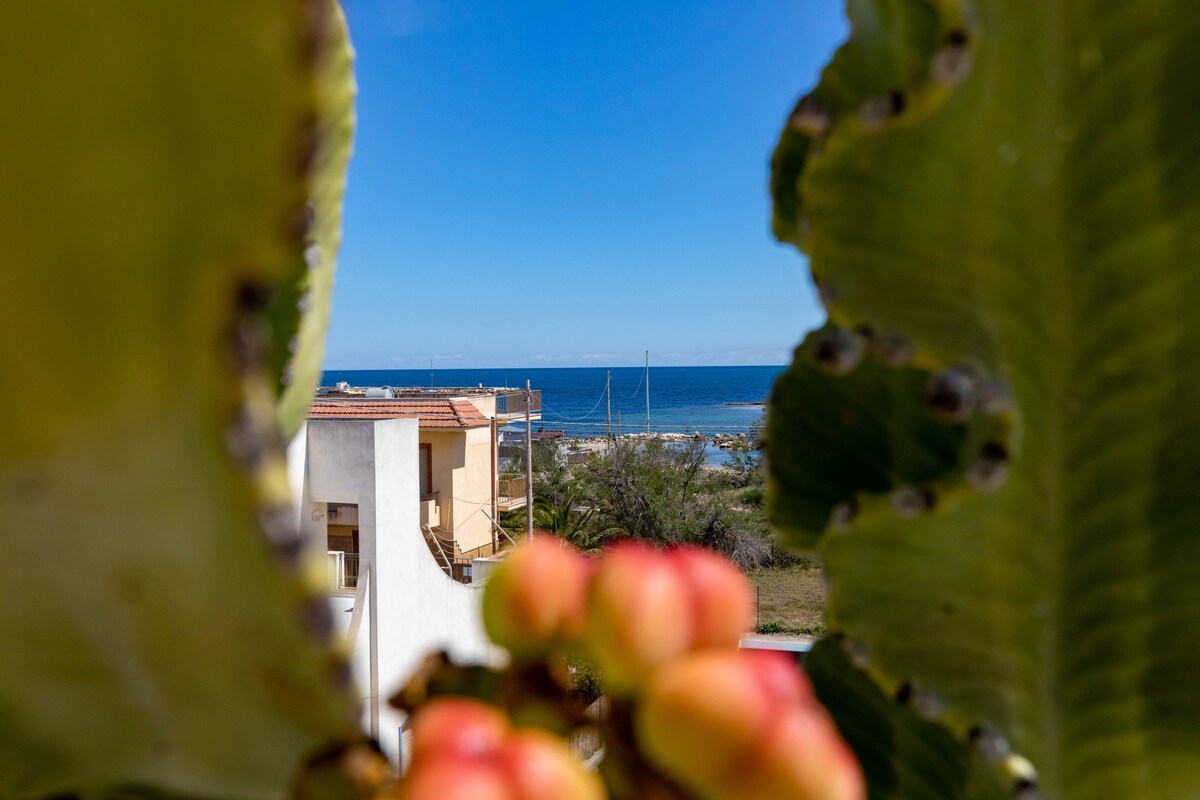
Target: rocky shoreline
[{"x": 723, "y": 441}]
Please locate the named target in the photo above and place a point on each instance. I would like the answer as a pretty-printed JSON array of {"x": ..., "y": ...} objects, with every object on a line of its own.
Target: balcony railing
[
  {"x": 510, "y": 491},
  {"x": 512, "y": 405},
  {"x": 445, "y": 552},
  {"x": 343, "y": 570},
  {"x": 510, "y": 486}
]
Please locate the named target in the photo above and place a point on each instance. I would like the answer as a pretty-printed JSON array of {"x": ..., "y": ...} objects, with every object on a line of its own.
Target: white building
[{"x": 390, "y": 598}]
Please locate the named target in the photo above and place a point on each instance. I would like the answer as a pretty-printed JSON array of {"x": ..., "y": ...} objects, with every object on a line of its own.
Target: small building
[
  {"x": 454, "y": 463},
  {"x": 357, "y": 479},
  {"x": 467, "y": 448}
]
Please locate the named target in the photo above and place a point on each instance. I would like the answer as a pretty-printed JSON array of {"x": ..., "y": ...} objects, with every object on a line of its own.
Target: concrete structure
[
  {"x": 455, "y": 468},
  {"x": 464, "y": 485},
  {"x": 391, "y": 600}
]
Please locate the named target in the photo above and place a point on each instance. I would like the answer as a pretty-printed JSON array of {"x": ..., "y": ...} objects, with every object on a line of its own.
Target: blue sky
[{"x": 572, "y": 183}]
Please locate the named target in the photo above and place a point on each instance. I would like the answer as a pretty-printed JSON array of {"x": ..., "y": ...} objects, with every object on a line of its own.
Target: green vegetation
[
  {"x": 656, "y": 492},
  {"x": 584, "y": 681},
  {"x": 663, "y": 494},
  {"x": 791, "y": 599}
]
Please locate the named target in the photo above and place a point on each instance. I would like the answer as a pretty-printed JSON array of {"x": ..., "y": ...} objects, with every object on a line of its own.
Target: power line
[
  {"x": 641, "y": 378},
  {"x": 599, "y": 400},
  {"x": 668, "y": 363},
  {"x": 666, "y": 428}
]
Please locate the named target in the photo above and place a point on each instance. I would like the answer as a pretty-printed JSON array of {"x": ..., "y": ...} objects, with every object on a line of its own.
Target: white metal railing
[
  {"x": 343, "y": 570},
  {"x": 496, "y": 525},
  {"x": 445, "y": 553},
  {"x": 438, "y": 546}
]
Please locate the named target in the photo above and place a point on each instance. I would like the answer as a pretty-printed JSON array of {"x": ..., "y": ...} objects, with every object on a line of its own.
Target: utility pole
[
  {"x": 608, "y": 394},
  {"x": 647, "y": 391},
  {"x": 528, "y": 463},
  {"x": 431, "y": 373},
  {"x": 495, "y": 483},
  {"x": 618, "y": 423}
]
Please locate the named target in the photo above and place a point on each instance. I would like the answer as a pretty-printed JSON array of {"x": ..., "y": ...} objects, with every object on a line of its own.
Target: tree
[{"x": 661, "y": 493}]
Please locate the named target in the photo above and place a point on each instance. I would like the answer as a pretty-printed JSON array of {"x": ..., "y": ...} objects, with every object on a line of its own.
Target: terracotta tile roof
[{"x": 437, "y": 412}]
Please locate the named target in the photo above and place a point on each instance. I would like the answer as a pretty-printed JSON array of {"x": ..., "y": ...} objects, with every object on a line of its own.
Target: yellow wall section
[{"x": 462, "y": 477}]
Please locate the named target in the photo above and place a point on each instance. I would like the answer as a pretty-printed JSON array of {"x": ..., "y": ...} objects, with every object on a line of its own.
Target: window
[{"x": 425, "y": 466}]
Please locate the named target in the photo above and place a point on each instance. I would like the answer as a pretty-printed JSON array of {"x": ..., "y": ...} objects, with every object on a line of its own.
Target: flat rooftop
[{"x": 419, "y": 391}]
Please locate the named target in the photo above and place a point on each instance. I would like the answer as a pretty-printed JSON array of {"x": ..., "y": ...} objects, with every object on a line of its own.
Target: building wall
[
  {"x": 486, "y": 403},
  {"x": 447, "y": 452},
  {"x": 413, "y": 607},
  {"x": 473, "y": 500},
  {"x": 462, "y": 477}
]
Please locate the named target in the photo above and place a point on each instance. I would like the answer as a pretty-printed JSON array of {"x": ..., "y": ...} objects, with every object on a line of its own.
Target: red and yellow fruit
[
  {"x": 664, "y": 628},
  {"x": 465, "y": 750},
  {"x": 722, "y": 606},
  {"x": 746, "y": 727},
  {"x": 646, "y": 607},
  {"x": 533, "y": 603},
  {"x": 638, "y": 614}
]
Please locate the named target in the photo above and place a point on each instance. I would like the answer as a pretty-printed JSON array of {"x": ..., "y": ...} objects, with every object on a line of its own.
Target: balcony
[
  {"x": 511, "y": 407},
  {"x": 510, "y": 492},
  {"x": 343, "y": 570},
  {"x": 430, "y": 513}
]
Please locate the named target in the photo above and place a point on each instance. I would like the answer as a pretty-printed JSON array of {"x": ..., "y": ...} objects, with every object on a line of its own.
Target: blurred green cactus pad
[
  {"x": 994, "y": 443},
  {"x": 172, "y": 178}
]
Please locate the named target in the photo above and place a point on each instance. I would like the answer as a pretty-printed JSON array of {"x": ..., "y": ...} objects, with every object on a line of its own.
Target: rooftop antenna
[{"x": 431, "y": 373}]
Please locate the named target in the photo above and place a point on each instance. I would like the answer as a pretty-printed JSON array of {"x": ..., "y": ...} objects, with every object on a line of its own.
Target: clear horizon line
[{"x": 542, "y": 366}]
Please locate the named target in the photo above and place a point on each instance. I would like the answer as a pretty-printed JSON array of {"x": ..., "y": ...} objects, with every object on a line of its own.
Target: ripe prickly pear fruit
[
  {"x": 541, "y": 767},
  {"x": 646, "y": 607},
  {"x": 721, "y": 600},
  {"x": 458, "y": 726},
  {"x": 638, "y": 614},
  {"x": 745, "y": 726},
  {"x": 448, "y": 778},
  {"x": 803, "y": 757},
  {"x": 702, "y": 713},
  {"x": 466, "y": 750},
  {"x": 534, "y": 602}
]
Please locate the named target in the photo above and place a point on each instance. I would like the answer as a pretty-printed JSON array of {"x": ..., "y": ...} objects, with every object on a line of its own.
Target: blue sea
[{"x": 682, "y": 399}]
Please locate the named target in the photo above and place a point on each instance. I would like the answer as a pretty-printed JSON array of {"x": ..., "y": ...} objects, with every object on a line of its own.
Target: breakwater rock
[{"x": 724, "y": 441}]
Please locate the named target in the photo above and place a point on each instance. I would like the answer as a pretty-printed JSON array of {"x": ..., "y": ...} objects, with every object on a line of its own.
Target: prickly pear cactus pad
[
  {"x": 165, "y": 168},
  {"x": 995, "y": 444},
  {"x": 299, "y": 308},
  {"x": 903, "y": 756}
]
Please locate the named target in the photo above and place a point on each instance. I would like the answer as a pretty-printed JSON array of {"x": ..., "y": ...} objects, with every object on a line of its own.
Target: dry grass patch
[{"x": 791, "y": 599}]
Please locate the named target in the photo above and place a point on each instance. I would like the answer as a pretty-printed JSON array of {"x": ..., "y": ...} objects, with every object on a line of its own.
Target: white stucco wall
[{"x": 413, "y": 606}]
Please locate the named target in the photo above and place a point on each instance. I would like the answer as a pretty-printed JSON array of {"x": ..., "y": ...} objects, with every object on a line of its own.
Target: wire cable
[
  {"x": 599, "y": 400},
  {"x": 641, "y": 378},
  {"x": 668, "y": 363},
  {"x": 664, "y": 428}
]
